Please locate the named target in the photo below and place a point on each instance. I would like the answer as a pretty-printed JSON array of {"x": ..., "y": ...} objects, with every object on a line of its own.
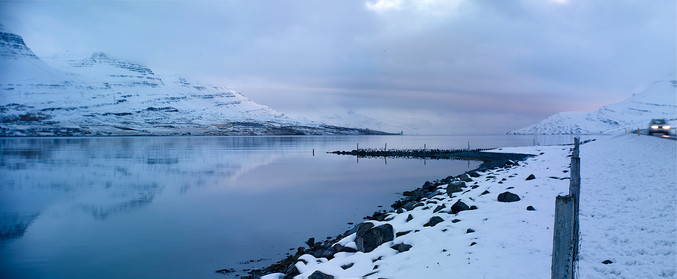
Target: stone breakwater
[
  {"x": 489, "y": 159},
  {"x": 368, "y": 235}
]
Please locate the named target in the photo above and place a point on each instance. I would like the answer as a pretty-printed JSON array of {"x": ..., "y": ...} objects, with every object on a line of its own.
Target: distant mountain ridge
[
  {"x": 657, "y": 101},
  {"x": 102, "y": 95}
]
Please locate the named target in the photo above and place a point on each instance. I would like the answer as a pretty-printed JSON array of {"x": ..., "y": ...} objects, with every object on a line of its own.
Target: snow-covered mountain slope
[
  {"x": 657, "y": 101},
  {"x": 101, "y": 95}
]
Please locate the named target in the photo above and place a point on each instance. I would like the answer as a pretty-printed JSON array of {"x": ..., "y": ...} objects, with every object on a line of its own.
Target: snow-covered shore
[{"x": 628, "y": 217}]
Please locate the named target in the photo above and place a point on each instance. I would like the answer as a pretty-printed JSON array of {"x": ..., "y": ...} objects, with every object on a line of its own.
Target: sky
[{"x": 418, "y": 66}]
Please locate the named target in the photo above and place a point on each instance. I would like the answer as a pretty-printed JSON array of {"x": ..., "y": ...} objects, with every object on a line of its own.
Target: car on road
[{"x": 659, "y": 126}]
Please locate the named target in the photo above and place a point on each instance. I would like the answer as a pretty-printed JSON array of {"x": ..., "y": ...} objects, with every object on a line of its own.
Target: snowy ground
[
  {"x": 628, "y": 208},
  {"x": 627, "y": 216}
]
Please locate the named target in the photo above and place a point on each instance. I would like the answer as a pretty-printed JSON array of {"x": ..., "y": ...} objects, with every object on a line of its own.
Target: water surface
[{"x": 183, "y": 207}]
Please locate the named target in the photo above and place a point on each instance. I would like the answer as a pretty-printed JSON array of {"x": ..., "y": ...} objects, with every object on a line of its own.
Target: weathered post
[
  {"x": 562, "y": 242},
  {"x": 575, "y": 192},
  {"x": 566, "y": 230}
]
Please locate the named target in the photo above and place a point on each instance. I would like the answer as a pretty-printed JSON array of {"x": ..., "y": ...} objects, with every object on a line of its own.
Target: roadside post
[{"x": 566, "y": 229}]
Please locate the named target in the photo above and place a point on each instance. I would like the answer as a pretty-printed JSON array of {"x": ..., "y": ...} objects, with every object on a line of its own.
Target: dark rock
[
  {"x": 531, "y": 208},
  {"x": 473, "y": 207},
  {"x": 363, "y": 227},
  {"x": 370, "y": 274},
  {"x": 367, "y": 239},
  {"x": 377, "y": 259},
  {"x": 430, "y": 186},
  {"x": 465, "y": 177},
  {"x": 531, "y": 177},
  {"x": 485, "y": 192},
  {"x": 458, "y": 207},
  {"x": 377, "y": 216},
  {"x": 470, "y": 231},
  {"x": 320, "y": 275},
  {"x": 399, "y": 210},
  {"x": 398, "y": 204},
  {"x": 439, "y": 207},
  {"x": 398, "y": 234},
  {"x": 341, "y": 248},
  {"x": 508, "y": 197},
  {"x": 347, "y": 266},
  {"x": 310, "y": 242},
  {"x": 411, "y": 205},
  {"x": 292, "y": 271},
  {"x": 328, "y": 253},
  {"x": 408, "y": 193},
  {"x": 455, "y": 186},
  {"x": 455, "y": 221},
  {"x": 409, "y": 218},
  {"x": 300, "y": 251},
  {"x": 607, "y": 262},
  {"x": 433, "y": 221},
  {"x": 473, "y": 174},
  {"x": 473, "y": 243},
  {"x": 225, "y": 271},
  {"x": 401, "y": 247}
]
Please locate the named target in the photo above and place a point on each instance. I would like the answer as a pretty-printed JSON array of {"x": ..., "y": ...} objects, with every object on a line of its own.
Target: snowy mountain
[
  {"x": 657, "y": 101},
  {"x": 101, "y": 95}
]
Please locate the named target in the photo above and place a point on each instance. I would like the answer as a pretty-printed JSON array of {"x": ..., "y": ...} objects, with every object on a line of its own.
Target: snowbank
[{"x": 627, "y": 217}]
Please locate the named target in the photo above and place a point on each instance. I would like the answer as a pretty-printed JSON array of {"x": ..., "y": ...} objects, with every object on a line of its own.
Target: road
[{"x": 672, "y": 135}]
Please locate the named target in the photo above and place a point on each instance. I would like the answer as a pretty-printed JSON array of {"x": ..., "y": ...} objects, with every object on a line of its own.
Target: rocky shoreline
[{"x": 368, "y": 235}]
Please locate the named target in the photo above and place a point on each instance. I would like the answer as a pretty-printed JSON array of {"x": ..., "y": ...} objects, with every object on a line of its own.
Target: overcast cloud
[{"x": 442, "y": 66}]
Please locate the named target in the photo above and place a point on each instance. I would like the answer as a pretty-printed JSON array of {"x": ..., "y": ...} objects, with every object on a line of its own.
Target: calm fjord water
[{"x": 183, "y": 207}]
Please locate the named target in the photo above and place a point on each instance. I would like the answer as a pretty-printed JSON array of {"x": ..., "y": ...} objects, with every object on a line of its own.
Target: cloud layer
[{"x": 442, "y": 65}]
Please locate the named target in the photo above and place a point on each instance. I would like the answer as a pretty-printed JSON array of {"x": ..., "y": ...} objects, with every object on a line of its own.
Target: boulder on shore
[
  {"x": 508, "y": 197},
  {"x": 455, "y": 186},
  {"x": 320, "y": 275},
  {"x": 458, "y": 207},
  {"x": 433, "y": 221},
  {"x": 369, "y": 237}
]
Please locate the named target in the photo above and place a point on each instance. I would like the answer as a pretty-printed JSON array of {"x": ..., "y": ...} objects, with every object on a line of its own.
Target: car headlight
[
  {"x": 666, "y": 127},
  {"x": 654, "y": 126}
]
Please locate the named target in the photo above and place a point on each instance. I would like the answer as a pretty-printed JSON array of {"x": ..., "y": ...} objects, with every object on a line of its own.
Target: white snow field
[
  {"x": 628, "y": 198},
  {"x": 627, "y": 216},
  {"x": 659, "y": 100}
]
